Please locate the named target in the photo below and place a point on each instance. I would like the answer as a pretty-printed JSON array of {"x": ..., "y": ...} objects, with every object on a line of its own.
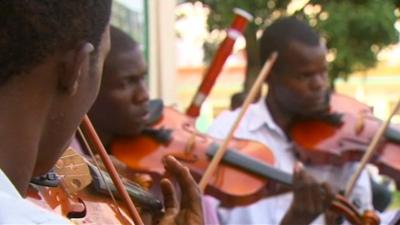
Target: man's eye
[
  {"x": 304, "y": 76},
  {"x": 132, "y": 80}
]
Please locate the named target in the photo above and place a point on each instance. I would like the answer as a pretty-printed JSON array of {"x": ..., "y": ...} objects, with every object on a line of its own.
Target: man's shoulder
[
  {"x": 20, "y": 211},
  {"x": 16, "y": 210},
  {"x": 224, "y": 121}
]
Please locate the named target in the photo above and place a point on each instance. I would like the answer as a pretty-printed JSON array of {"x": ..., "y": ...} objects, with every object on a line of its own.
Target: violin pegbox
[{"x": 73, "y": 171}]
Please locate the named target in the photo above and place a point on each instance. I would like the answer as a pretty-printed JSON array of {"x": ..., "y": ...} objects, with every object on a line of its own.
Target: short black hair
[
  {"x": 121, "y": 41},
  {"x": 31, "y": 30},
  {"x": 280, "y": 33}
]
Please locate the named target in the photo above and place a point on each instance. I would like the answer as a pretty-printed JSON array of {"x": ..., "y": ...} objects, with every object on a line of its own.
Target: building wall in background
[
  {"x": 162, "y": 62},
  {"x": 152, "y": 24},
  {"x": 130, "y": 16}
]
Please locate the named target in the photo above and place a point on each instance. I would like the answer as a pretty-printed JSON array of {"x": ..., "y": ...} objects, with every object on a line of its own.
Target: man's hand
[
  {"x": 310, "y": 198},
  {"x": 189, "y": 211}
]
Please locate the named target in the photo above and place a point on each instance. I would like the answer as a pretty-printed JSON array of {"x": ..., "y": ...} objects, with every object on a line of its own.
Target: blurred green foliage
[{"x": 355, "y": 30}]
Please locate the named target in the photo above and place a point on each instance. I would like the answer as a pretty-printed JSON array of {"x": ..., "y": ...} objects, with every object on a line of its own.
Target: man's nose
[
  {"x": 319, "y": 82},
  {"x": 142, "y": 94}
]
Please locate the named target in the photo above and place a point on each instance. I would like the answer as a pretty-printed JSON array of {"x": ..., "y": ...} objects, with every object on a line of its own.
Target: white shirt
[
  {"x": 258, "y": 125},
  {"x": 16, "y": 210}
]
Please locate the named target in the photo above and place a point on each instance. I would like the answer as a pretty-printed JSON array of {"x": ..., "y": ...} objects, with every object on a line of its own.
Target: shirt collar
[
  {"x": 261, "y": 116},
  {"x": 7, "y": 187}
]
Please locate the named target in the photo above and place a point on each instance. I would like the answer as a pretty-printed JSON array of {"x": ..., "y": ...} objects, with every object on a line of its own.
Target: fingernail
[
  {"x": 298, "y": 167},
  {"x": 168, "y": 157}
]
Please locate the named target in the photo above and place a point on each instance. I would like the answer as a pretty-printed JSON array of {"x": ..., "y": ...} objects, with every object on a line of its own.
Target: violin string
[
  {"x": 68, "y": 156},
  {"x": 75, "y": 175},
  {"x": 72, "y": 166},
  {"x": 100, "y": 171}
]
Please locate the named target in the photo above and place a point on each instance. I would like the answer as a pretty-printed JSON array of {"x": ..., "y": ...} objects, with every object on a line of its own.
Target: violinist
[
  {"x": 44, "y": 67},
  {"x": 123, "y": 96},
  {"x": 298, "y": 87},
  {"x": 123, "y": 93},
  {"x": 52, "y": 55}
]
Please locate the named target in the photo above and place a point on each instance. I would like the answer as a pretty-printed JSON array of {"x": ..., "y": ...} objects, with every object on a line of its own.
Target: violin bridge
[
  {"x": 74, "y": 172},
  {"x": 359, "y": 125}
]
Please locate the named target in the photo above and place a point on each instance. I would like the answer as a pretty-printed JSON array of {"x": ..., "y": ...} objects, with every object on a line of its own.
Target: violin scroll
[{"x": 343, "y": 207}]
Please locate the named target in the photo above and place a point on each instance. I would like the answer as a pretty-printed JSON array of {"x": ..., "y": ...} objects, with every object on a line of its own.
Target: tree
[{"x": 355, "y": 30}]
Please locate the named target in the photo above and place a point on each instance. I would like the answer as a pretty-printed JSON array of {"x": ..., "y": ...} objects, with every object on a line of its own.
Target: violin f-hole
[{"x": 77, "y": 214}]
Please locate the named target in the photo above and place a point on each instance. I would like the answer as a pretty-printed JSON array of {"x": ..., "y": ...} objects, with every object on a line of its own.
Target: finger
[
  {"x": 329, "y": 194},
  {"x": 299, "y": 196},
  {"x": 318, "y": 197},
  {"x": 170, "y": 199},
  {"x": 307, "y": 190},
  {"x": 298, "y": 175},
  {"x": 311, "y": 196},
  {"x": 332, "y": 218},
  {"x": 190, "y": 191}
]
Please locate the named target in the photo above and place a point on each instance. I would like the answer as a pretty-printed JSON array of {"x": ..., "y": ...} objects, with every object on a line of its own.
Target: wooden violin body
[
  {"x": 84, "y": 208},
  {"x": 145, "y": 154},
  {"x": 81, "y": 196},
  {"x": 319, "y": 141},
  {"x": 257, "y": 166}
]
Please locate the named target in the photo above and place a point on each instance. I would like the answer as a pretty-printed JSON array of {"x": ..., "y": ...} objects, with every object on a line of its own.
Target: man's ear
[{"x": 75, "y": 62}]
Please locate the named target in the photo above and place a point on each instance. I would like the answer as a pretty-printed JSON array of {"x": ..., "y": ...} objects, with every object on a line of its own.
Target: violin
[
  {"x": 344, "y": 134},
  {"x": 263, "y": 169},
  {"x": 176, "y": 135},
  {"x": 71, "y": 198},
  {"x": 78, "y": 194}
]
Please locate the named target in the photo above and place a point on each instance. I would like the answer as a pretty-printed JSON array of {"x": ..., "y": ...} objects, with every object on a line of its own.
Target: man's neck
[
  {"x": 23, "y": 114},
  {"x": 281, "y": 117},
  {"x": 19, "y": 141}
]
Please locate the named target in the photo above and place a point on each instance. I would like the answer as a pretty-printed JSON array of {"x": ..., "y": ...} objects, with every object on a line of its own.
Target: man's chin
[{"x": 315, "y": 111}]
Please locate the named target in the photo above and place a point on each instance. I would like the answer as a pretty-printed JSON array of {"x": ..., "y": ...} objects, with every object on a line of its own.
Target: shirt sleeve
[{"x": 21, "y": 211}]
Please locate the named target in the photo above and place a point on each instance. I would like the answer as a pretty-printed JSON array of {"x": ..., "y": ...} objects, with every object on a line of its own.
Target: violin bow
[
  {"x": 370, "y": 151},
  {"x": 90, "y": 132},
  {"x": 265, "y": 71},
  {"x": 236, "y": 29},
  {"x": 97, "y": 165}
]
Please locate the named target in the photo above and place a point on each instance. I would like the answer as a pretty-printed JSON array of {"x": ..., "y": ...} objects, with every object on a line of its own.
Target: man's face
[
  {"x": 121, "y": 107},
  {"x": 301, "y": 87}
]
